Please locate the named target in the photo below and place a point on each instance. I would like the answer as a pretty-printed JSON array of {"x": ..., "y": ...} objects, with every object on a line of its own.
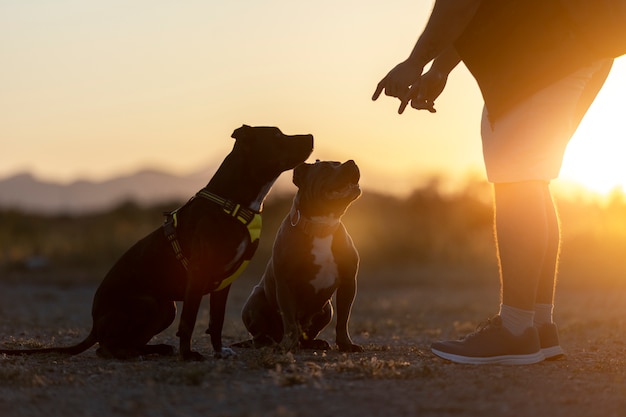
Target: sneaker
[
  {"x": 549, "y": 341},
  {"x": 492, "y": 343}
]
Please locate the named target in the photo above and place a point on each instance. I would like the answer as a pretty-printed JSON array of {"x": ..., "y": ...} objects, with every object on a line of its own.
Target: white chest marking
[{"x": 323, "y": 257}]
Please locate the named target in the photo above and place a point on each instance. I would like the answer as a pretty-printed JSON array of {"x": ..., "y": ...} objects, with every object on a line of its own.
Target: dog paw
[
  {"x": 192, "y": 356},
  {"x": 225, "y": 353},
  {"x": 315, "y": 344},
  {"x": 350, "y": 347}
]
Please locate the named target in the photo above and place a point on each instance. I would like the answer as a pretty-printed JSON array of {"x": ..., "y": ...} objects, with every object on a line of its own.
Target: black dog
[
  {"x": 199, "y": 251},
  {"x": 313, "y": 256}
]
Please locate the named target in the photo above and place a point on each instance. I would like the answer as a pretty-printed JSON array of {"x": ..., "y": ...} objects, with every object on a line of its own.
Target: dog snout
[
  {"x": 353, "y": 168},
  {"x": 305, "y": 143},
  {"x": 309, "y": 140}
]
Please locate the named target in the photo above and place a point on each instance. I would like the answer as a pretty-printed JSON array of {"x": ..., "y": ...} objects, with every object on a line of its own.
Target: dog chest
[{"x": 324, "y": 259}]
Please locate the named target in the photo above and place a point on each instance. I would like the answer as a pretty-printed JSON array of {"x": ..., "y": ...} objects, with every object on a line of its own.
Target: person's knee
[
  {"x": 519, "y": 186},
  {"x": 522, "y": 191}
]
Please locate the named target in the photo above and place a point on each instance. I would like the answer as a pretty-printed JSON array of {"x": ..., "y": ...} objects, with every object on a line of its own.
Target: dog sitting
[
  {"x": 200, "y": 250},
  {"x": 313, "y": 256}
]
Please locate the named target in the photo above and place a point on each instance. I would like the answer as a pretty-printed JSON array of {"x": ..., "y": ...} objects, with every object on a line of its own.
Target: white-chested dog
[{"x": 313, "y": 256}]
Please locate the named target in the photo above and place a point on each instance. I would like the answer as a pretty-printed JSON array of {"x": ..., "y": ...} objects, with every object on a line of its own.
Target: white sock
[
  {"x": 543, "y": 314},
  {"x": 516, "y": 320}
]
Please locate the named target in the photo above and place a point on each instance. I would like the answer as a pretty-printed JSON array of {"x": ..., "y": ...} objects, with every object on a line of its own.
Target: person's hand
[
  {"x": 400, "y": 82},
  {"x": 430, "y": 87}
]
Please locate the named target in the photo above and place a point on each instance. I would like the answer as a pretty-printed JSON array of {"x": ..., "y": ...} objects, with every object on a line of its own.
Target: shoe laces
[{"x": 486, "y": 326}]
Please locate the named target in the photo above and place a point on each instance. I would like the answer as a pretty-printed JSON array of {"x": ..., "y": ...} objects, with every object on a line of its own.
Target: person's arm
[
  {"x": 447, "y": 22},
  {"x": 446, "y": 61}
]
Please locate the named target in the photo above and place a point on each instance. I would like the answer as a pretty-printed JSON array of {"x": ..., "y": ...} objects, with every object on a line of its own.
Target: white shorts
[{"x": 529, "y": 141}]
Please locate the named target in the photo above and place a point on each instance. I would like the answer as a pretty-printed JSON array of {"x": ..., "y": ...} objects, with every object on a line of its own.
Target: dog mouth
[
  {"x": 346, "y": 191},
  {"x": 346, "y": 185}
]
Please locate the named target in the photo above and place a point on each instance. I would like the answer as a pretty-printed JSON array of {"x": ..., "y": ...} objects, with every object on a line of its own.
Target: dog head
[
  {"x": 270, "y": 149},
  {"x": 326, "y": 188}
]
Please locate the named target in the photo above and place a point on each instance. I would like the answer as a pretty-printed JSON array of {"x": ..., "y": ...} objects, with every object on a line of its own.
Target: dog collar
[{"x": 312, "y": 227}]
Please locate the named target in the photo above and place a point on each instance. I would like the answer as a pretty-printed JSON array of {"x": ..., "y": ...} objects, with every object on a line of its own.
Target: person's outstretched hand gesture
[
  {"x": 431, "y": 85},
  {"x": 401, "y": 82}
]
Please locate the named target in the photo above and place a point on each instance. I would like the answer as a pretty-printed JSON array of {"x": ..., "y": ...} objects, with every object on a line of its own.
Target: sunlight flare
[{"x": 595, "y": 156}]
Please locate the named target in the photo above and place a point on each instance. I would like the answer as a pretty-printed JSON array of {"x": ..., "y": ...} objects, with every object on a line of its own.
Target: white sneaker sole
[
  {"x": 552, "y": 353},
  {"x": 528, "y": 359}
]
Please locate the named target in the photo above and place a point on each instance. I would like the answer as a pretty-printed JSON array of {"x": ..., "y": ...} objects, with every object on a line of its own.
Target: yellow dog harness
[{"x": 249, "y": 218}]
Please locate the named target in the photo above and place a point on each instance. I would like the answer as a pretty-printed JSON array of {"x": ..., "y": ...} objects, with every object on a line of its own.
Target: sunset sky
[{"x": 93, "y": 89}]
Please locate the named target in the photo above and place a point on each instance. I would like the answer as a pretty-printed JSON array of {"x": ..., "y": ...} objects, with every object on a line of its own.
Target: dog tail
[{"x": 66, "y": 350}]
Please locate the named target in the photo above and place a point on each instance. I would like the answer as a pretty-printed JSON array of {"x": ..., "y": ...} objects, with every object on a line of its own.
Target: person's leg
[
  {"x": 544, "y": 301},
  {"x": 528, "y": 242},
  {"x": 523, "y": 151},
  {"x": 549, "y": 268},
  {"x": 522, "y": 236}
]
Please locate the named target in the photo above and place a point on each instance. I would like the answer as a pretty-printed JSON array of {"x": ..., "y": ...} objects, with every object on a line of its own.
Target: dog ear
[
  {"x": 299, "y": 173},
  {"x": 241, "y": 133}
]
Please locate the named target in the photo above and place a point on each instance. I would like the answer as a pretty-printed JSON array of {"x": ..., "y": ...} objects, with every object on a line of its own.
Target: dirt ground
[{"x": 396, "y": 316}]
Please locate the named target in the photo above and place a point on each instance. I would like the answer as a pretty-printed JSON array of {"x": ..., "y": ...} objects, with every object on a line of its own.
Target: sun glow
[{"x": 596, "y": 156}]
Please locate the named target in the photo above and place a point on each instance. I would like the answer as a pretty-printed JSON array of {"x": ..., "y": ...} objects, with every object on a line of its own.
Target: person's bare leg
[
  {"x": 522, "y": 237},
  {"x": 547, "y": 278},
  {"x": 524, "y": 242}
]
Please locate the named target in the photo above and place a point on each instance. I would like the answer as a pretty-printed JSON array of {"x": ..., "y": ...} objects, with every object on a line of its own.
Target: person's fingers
[
  {"x": 403, "y": 104},
  {"x": 379, "y": 89},
  {"x": 385, "y": 85},
  {"x": 409, "y": 95},
  {"x": 421, "y": 101},
  {"x": 422, "y": 104}
]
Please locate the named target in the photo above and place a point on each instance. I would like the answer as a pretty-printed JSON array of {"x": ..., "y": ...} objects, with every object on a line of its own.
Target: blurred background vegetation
[{"x": 428, "y": 228}]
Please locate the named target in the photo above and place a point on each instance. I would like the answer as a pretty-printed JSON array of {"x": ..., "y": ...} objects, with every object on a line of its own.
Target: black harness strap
[
  {"x": 242, "y": 214},
  {"x": 169, "y": 227}
]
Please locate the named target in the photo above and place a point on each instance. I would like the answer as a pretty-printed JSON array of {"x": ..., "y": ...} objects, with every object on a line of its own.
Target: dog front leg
[
  {"x": 288, "y": 311},
  {"x": 217, "y": 311},
  {"x": 191, "y": 305},
  {"x": 345, "y": 297}
]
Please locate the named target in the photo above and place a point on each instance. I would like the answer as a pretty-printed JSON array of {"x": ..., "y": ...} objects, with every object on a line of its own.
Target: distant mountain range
[{"x": 26, "y": 192}]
